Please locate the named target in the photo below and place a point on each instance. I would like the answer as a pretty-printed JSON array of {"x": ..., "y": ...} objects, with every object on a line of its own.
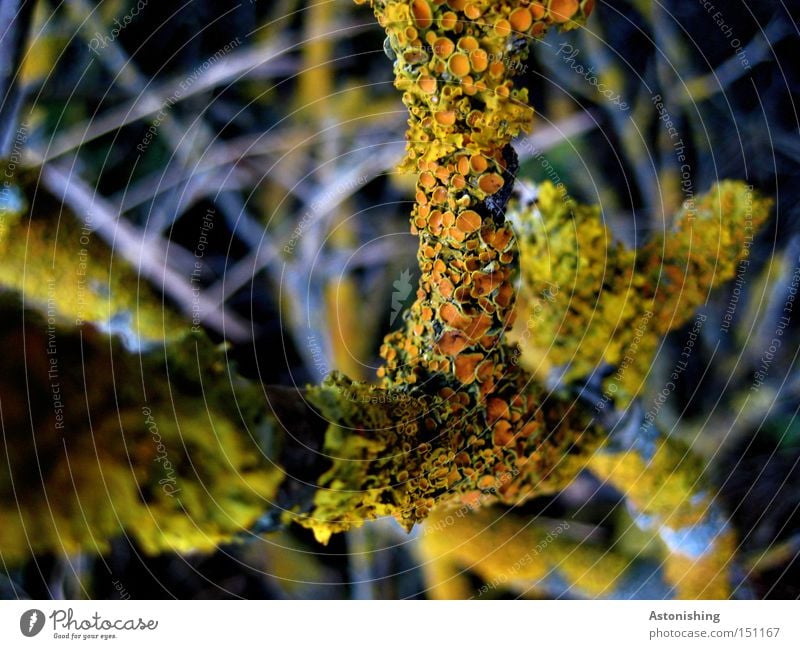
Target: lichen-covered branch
[
  {"x": 167, "y": 448},
  {"x": 592, "y": 303},
  {"x": 479, "y": 419},
  {"x": 190, "y": 455}
]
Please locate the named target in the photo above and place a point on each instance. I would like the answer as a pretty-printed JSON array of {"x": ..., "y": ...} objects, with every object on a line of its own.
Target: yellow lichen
[
  {"x": 63, "y": 269},
  {"x": 588, "y": 300},
  {"x": 89, "y": 454},
  {"x": 396, "y": 453},
  {"x": 507, "y": 552}
]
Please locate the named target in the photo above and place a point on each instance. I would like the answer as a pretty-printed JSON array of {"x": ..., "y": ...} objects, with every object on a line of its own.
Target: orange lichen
[
  {"x": 423, "y": 15},
  {"x": 468, "y": 221},
  {"x": 491, "y": 183},
  {"x": 464, "y": 111},
  {"x": 459, "y": 65},
  {"x": 563, "y": 10},
  {"x": 520, "y": 19},
  {"x": 428, "y": 84}
]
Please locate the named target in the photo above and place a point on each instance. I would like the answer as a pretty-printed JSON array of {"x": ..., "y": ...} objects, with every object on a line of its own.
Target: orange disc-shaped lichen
[
  {"x": 453, "y": 343},
  {"x": 446, "y": 288},
  {"x": 537, "y": 10},
  {"x": 502, "y": 434},
  {"x": 491, "y": 183},
  {"x": 497, "y": 408},
  {"x": 442, "y": 173},
  {"x": 478, "y": 163},
  {"x": 427, "y": 179},
  {"x": 468, "y": 43},
  {"x": 468, "y": 221},
  {"x": 502, "y": 28},
  {"x": 479, "y": 60},
  {"x": 440, "y": 196},
  {"x": 497, "y": 69},
  {"x": 485, "y": 283},
  {"x": 465, "y": 367},
  {"x": 427, "y": 84},
  {"x": 563, "y": 10},
  {"x": 468, "y": 85},
  {"x": 473, "y": 11},
  {"x": 453, "y": 317},
  {"x": 423, "y": 14},
  {"x": 520, "y": 20},
  {"x": 456, "y": 235},
  {"x": 459, "y": 65},
  {"x": 446, "y": 117},
  {"x": 448, "y": 20},
  {"x": 443, "y": 47}
]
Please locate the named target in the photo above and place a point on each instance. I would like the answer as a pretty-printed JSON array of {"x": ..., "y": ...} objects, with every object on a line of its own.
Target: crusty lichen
[
  {"x": 66, "y": 271},
  {"x": 588, "y": 300},
  {"x": 397, "y": 453},
  {"x": 172, "y": 459},
  {"x": 455, "y": 63},
  {"x": 479, "y": 417}
]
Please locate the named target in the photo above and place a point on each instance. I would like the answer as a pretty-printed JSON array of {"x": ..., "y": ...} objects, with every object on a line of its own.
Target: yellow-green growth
[
  {"x": 68, "y": 273},
  {"x": 398, "y": 454},
  {"x": 666, "y": 487},
  {"x": 587, "y": 299},
  {"x": 97, "y": 445},
  {"x": 509, "y": 552}
]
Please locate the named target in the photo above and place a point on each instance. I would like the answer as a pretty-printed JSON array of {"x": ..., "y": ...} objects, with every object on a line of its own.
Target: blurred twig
[
  {"x": 16, "y": 16},
  {"x": 149, "y": 257}
]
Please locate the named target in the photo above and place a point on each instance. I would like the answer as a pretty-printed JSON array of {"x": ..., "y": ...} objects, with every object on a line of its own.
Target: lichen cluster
[
  {"x": 190, "y": 456},
  {"x": 593, "y": 303},
  {"x": 401, "y": 453},
  {"x": 455, "y": 63},
  {"x": 63, "y": 268},
  {"x": 480, "y": 417},
  {"x": 172, "y": 460}
]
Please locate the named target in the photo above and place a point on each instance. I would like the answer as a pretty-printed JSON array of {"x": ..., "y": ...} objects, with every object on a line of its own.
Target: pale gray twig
[{"x": 149, "y": 257}]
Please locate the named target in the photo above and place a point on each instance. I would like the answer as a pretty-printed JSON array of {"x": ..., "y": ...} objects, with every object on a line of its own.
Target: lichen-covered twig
[
  {"x": 457, "y": 417},
  {"x": 471, "y": 419},
  {"x": 591, "y": 303}
]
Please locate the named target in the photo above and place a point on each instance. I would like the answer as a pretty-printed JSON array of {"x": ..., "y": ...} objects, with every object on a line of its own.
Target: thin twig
[
  {"x": 149, "y": 257},
  {"x": 150, "y": 103}
]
